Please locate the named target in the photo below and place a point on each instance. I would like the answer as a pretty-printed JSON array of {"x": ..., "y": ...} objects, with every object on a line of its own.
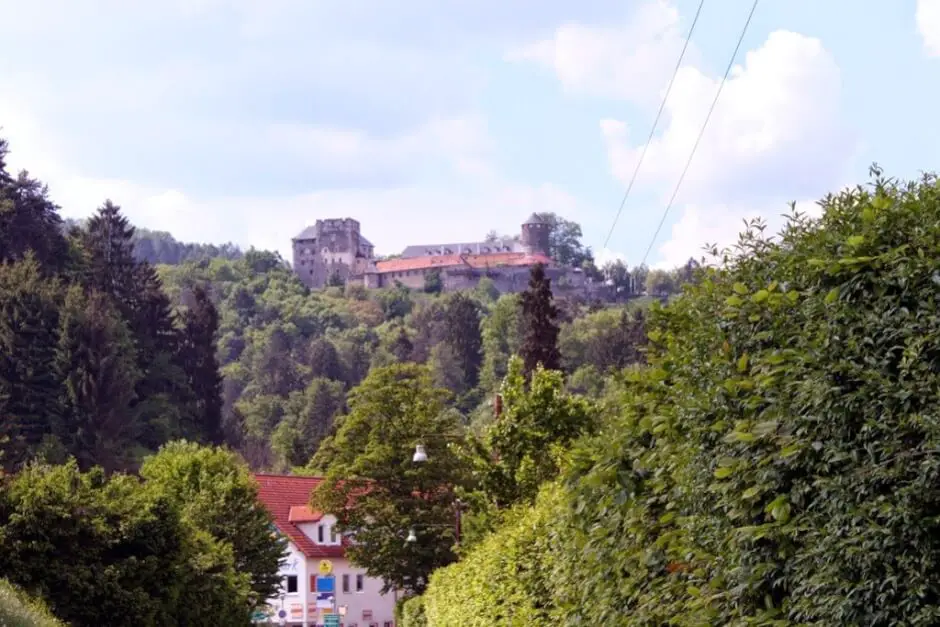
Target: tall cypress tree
[
  {"x": 539, "y": 314},
  {"x": 198, "y": 352}
]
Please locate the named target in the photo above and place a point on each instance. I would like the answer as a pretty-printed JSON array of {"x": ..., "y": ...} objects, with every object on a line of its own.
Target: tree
[
  {"x": 377, "y": 492},
  {"x": 502, "y": 333},
  {"x": 308, "y": 418},
  {"x": 335, "y": 280},
  {"x": 660, "y": 283},
  {"x": 565, "y": 245},
  {"x": 123, "y": 552},
  {"x": 433, "y": 283},
  {"x": 109, "y": 244},
  {"x": 30, "y": 407},
  {"x": 198, "y": 350},
  {"x": 538, "y": 421},
  {"x": 462, "y": 333},
  {"x": 323, "y": 360},
  {"x": 539, "y": 313},
  {"x": 95, "y": 361},
  {"x": 217, "y": 494},
  {"x": 29, "y": 221}
]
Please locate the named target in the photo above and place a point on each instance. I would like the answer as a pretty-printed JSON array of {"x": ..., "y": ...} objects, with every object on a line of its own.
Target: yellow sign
[{"x": 326, "y": 567}]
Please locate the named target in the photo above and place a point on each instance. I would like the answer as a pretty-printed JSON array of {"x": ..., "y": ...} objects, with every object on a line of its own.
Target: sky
[{"x": 440, "y": 120}]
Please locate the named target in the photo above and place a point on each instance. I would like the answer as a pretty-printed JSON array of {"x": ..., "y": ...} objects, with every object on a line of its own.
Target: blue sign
[
  {"x": 282, "y": 614},
  {"x": 326, "y": 584}
]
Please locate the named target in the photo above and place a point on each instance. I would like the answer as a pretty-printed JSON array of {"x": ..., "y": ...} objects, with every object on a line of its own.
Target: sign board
[
  {"x": 326, "y": 584},
  {"x": 331, "y": 620},
  {"x": 326, "y": 567},
  {"x": 260, "y": 615}
]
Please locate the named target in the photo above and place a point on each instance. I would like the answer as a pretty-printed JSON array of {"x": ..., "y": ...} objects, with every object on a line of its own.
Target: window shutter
[{"x": 313, "y": 583}]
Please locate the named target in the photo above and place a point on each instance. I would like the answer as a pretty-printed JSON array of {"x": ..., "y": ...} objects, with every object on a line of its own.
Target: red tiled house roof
[
  {"x": 492, "y": 260},
  {"x": 286, "y": 497}
]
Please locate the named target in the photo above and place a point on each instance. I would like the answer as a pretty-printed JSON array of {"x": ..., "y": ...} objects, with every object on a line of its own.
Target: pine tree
[
  {"x": 539, "y": 314},
  {"x": 110, "y": 248},
  {"x": 462, "y": 334},
  {"x": 29, "y": 385},
  {"x": 29, "y": 221},
  {"x": 95, "y": 360},
  {"x": 198, "y": 351}
]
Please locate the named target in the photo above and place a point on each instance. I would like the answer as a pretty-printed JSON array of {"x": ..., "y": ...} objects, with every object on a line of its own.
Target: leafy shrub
[
  {"x": 504, "y": 580},
  {"x": 411, "y": 613},
  {"x": 775, "y": 464},
  {"x": 19, "y": 610},
  {"x": 778, "y": 463}
]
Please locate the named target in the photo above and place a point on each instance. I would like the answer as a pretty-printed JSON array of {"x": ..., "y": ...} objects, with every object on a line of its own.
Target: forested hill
[
  {"x": 106, "y": 355},
  {"x": 289, "y": 356},
  {"x": 158, "y": 247}
]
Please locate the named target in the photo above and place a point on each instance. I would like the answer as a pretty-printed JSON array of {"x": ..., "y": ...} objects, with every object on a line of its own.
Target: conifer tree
[
  {"x": 95, "y": 360},
  {"x": 110, "y": 249},
  {"x": 29, "y": 387},
  {"x": 29, "y": 221},
  {"x": 539, "y": 314},
  {"x": 200, "y": 325}
]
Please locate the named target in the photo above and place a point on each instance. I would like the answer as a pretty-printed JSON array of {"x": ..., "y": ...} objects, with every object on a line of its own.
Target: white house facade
[{"x": 315, "y": 550}]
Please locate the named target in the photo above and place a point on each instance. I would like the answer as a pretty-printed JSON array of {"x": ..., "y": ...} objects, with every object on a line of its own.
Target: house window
[
  {"x": 290, "y": 584},
  {"x": 346, "y": 584},
  {"x": 332, "y": 535},
  {"x": 359, "y": 582},
  {"x": 320, "y": 534}
]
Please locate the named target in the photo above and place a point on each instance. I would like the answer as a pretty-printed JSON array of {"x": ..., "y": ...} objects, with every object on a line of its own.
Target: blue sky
[{"x": 428, "y": 120}]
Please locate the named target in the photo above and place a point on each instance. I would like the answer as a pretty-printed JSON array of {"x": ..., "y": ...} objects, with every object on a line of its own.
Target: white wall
[{"x": 356, "y": 601}]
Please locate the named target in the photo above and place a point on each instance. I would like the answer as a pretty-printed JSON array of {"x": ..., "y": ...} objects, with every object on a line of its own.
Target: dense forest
[{"x": 748, "y": 441}]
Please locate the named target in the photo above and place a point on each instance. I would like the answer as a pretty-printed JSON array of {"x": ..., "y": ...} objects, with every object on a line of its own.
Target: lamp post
[{"x": 420, "y": 457}]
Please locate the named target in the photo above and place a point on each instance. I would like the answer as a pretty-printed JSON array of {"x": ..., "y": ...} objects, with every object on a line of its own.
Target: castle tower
[{"x": 535, "y": 235}]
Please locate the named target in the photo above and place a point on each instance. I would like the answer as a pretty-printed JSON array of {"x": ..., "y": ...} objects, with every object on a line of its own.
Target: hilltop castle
[{"x": 336, "y": 251}]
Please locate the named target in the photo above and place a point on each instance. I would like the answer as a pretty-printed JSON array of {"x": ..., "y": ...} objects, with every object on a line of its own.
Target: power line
[
  {"x": 659, "y": 113},
  {"x": 701, "y": 132}
]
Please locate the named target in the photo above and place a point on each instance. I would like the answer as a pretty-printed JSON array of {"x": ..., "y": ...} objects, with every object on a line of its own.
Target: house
[{"x": 313, "y": 543}]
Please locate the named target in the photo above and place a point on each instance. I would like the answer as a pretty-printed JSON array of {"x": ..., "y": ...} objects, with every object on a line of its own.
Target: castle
[{"x": 335, "y": 252}]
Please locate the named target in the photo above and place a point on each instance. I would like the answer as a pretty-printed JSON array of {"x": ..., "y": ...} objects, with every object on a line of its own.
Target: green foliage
[
  {"x": 378, "y": 493},
  {"x": 505, "y": 580},
  {"x": 433, "y": 283},
  {"x": 539, "y": 314},
  {"x": 410, "y": 613},
  {"x": 521, "y": 449},
  {"x": 217, "y": 493},
  {"x": 19, "y": 610},
  {"x": 608, "y": 340},
  {"x": 160, "y": 247},
  {"x": 775, "y": 464}
]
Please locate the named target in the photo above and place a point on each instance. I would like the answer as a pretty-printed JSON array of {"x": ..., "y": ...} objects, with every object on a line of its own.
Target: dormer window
[{"x": 320, "y": 534}]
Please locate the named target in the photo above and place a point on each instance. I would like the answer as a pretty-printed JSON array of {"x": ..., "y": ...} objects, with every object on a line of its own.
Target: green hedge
[
  {"x": 411, "y": 613},
  {"x": 19, "y": 610},
  {"x": 504, "y": 580},
  {"x": 778, "y": 462}
]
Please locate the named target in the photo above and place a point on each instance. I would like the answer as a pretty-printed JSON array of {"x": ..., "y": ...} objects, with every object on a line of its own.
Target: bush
[
  {"x": 504, "y": 580},
  {"x": 411, "y": 613},
  {"x": 775, "y": 464},
  {"x": 778, "y": 463},
  {"x": 19, "y": 610}
]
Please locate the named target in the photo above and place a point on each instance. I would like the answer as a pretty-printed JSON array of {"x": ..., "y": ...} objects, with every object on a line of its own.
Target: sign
[
  {"x": 326, "y": 584},
  {"x": 326, "y": 567},
  {"x": 282, "y": 614},
  {"x": 260, "y": 614},
  {"x": 296, "y": 610},
  {"x": 331, "y": 620},
  {"x": 325, "y": 600}
]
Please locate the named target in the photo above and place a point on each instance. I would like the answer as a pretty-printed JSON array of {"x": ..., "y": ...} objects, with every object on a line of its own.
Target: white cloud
[
  {"x": 776, "y": 130},
  {"x": 606, "y": 255},
  {"x": 928, "y": 25},
  {"x": 776, "y": 135},
  {"x": 632, "y": 61},
  {"x": 461, "y": 141}
]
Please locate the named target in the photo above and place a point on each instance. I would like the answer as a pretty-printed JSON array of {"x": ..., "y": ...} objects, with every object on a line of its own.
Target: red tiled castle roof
[
  {"x": 287, "y": 498},
  {"x": 491, "y": 260}
]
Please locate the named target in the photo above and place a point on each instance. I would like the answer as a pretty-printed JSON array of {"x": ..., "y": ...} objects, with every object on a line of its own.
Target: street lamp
[
  {"x": 421, "y": 455},
  {"x": 411, "y": 536}
]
